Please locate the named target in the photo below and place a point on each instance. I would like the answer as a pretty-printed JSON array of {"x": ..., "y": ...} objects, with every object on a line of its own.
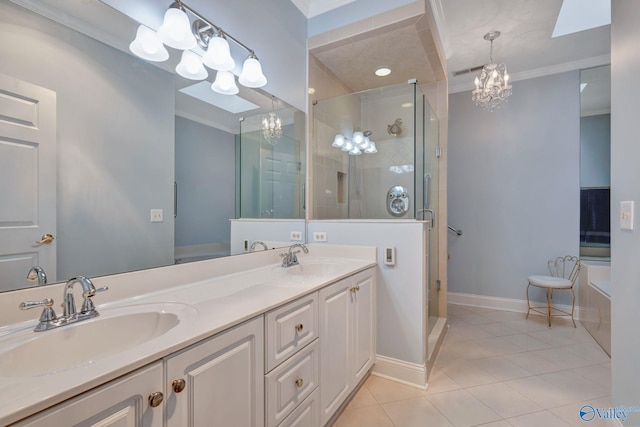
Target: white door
[{"x": 27, "y": 181}]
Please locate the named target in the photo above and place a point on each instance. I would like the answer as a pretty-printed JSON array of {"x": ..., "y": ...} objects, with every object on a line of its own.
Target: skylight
[
  {"x": 580, "y": 15},
  {"x": 233, "y": 104}
]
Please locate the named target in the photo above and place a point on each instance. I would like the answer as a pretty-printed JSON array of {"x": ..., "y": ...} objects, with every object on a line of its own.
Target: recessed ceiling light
[
  {"x": 311, "y": 91},
  {"x": 383, "y": 71},
  {"x": 407, "y": 105}
]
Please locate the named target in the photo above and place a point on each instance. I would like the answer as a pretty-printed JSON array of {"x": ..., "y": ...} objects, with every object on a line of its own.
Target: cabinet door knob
[
  {"x": 155, "y": 399},
  {"x": 353, "y": 290},
  {"x": 299, "y": 327},
  {"x": 299, "y": 382},
  {"x": 178, "y": 385}
]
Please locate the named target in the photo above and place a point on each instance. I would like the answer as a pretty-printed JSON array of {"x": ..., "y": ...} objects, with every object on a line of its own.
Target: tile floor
[{"x": 495, "y": 369}]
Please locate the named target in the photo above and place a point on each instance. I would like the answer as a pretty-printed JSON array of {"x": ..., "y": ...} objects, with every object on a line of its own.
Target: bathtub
[{"x": 595, "y": 301}]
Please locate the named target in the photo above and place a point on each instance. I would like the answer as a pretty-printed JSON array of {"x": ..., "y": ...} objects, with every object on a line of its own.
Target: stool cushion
[{"x": 550, "y": 282}]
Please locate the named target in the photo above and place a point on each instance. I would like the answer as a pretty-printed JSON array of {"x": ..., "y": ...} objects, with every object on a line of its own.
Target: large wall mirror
[
  {"x": 125, "y": 164},
  {"x": 595, "y": 162}
]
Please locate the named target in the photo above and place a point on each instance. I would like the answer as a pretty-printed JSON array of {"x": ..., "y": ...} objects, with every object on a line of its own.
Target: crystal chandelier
[
  {"x": 492, "y": 86},
  {"x": 272, "y": 126}
]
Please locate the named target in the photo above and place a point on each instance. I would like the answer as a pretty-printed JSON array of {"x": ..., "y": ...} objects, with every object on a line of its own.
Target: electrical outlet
[
  {"x": 295, "y": 236},
  {"x": 157, "y": 215},
  {"x": 319, "y": 236}
]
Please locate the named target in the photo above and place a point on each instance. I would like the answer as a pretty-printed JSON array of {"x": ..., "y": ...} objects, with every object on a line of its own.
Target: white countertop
[{"x": 218, "y": 304}]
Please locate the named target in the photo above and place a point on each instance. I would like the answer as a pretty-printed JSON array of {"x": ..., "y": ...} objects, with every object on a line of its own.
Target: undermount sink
[
  {"x": 314, "y": 269},
  {"x": 114, "y": 331}
]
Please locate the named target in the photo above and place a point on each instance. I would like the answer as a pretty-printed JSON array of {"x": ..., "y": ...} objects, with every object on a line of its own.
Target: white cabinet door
[
  {"x": 120, "y": 403},
  {"x": 223, "y": 380},
  {"x": 347, "y": 338},
  {"x": 363, "y": 324},
  {"x": 335, "y": 347}
]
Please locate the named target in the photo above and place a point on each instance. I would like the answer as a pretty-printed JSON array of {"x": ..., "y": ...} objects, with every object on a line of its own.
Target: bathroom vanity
[{"x": 266, "y": 346}]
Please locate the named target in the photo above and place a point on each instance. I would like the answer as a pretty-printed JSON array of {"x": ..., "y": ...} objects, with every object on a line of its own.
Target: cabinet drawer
[
  {"x": 307, "y": 414},
  {"x": 290, "y": 383},
  {"x": 290, "y": 328}
]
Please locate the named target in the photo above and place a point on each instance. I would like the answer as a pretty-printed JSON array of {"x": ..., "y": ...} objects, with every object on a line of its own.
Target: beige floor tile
[
  {"x": 416, "y": 412},
  {"x": 504, "y": 316},
  {"x": 541, "y": 392},
  {"x": 440, "y": 382},
  {"x": 501, "y": 423},
  {"x": 462, "y": 408},
  {"x": 533, "y": 363},
  {"x": 385, "y": 391},
  {"x": 501, "y": 368},
  {"x": 526, "y": 342},
  {"x": 465, "y": 332},
  {"x": 503, "y": 400},
  {"x": 575, "y": 385},
  {"x": 466, "y": 374},
  {"x": 537, "y": 419},
  {"x": 498, "y": 329},
  {"x": 362, "y": 399},
  {"x": 371, "y": 416},
  {"x": 561, "y": 358},
  {"x": 600, "y": 374},
  {"x": 474, "y": 319},
  {"x": 591, "y": 352},
  {"x": 532, "y": 324},
  {"x": 495, "y": 346}
]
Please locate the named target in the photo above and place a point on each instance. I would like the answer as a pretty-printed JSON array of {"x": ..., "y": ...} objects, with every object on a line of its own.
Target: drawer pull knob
[
  {"x": 299, "y": 327},
  {"x": 178, "y": 385},
  {"x": 299, "y": 382},
  {"x": 155, "y": 399}
]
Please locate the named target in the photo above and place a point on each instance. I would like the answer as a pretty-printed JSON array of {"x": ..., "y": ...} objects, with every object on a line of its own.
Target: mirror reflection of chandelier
[
  {"x": 492, "y": 86},
  {"x": 272, "y": 126}
]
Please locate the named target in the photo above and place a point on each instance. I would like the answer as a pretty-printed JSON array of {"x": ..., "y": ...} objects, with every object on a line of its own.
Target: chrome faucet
[
  {"x": 258, "y": 242},
  {"x": 48, "y": 319},
  {"x": 289, "y": 259},
  {"x": 37, "y": 273}
]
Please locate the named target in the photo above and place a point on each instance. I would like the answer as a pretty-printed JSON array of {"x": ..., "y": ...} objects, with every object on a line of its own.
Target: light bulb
[
  {"x": 355, "y": 151},
  {"x": 147, "y": 45},
  {"x": 338, "y": 141},
  {"x": 175, "y": 30},
  {"x": 225, "y": 83},
  {"x": 251, "y": 75},
  {"x": 190, "y": 66},
  {"x": 218, "y": 55},
  {"x": 371, "y": 149},
  {"x": 358, "y": 137},
  {"x": 348, "y": 146}
]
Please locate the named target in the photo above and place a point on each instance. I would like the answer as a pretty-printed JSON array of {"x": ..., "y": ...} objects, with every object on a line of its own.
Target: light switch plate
[
  {"x": 157, "y": 215},
  {"x": 626, "y": 215}
]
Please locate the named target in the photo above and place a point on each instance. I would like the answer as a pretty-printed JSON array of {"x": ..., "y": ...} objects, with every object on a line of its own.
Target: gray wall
[
  {"x": 112, "y": 166},
  {"x": 625, "y": 185},
  {"x": 513, "y": 185},
  {"x": 206, "y": 177},
  {"x": 595, "y": 151}
]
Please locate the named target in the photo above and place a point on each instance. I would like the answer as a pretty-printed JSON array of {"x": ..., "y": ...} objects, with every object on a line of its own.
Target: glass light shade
[
  {"x": 348, "y": 146},
  {"x": 148, "y": 46},
  {"x": 251, "y": 75},
  {"x": 218, "y": 56},
  {"x": 175, "y": 30},
  {"x": 364, "y": 144},
  {"x": 371, "y": 149},
  {"x": 225, "y": 83},
  {"x": 190, "y": 66},
  {"x": 358, "y": 138},
  {"x": 338, "y": 141},
  {"x": 355, "y": 151}
]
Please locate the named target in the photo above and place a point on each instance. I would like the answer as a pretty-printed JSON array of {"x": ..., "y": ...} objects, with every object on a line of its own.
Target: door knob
[
  {"x": 46, "y": 239},
  {"x": 178, "y": 385},
  {"x": 155, "y": 399}
]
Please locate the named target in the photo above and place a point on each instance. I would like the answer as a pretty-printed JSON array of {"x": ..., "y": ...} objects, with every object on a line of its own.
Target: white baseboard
[
  {"x": 406, "y": 373},
  {"x": 499, "y": 303}
]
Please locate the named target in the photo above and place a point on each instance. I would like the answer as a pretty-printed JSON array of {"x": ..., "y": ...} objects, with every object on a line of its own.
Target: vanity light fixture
[
  {"x": 177, "y": 31},
  {"x": 492, "y": 85},
  {"x": 357, "y": 144}
]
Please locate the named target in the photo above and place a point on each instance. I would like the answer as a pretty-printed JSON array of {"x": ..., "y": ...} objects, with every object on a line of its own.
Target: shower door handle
[{"x": 432, "y": 217}]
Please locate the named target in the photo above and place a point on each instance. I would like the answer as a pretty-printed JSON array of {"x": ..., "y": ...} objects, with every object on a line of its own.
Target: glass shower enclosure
[
  {"x": 375, "y": 157},
  {"x": 272, "y": 170}
]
